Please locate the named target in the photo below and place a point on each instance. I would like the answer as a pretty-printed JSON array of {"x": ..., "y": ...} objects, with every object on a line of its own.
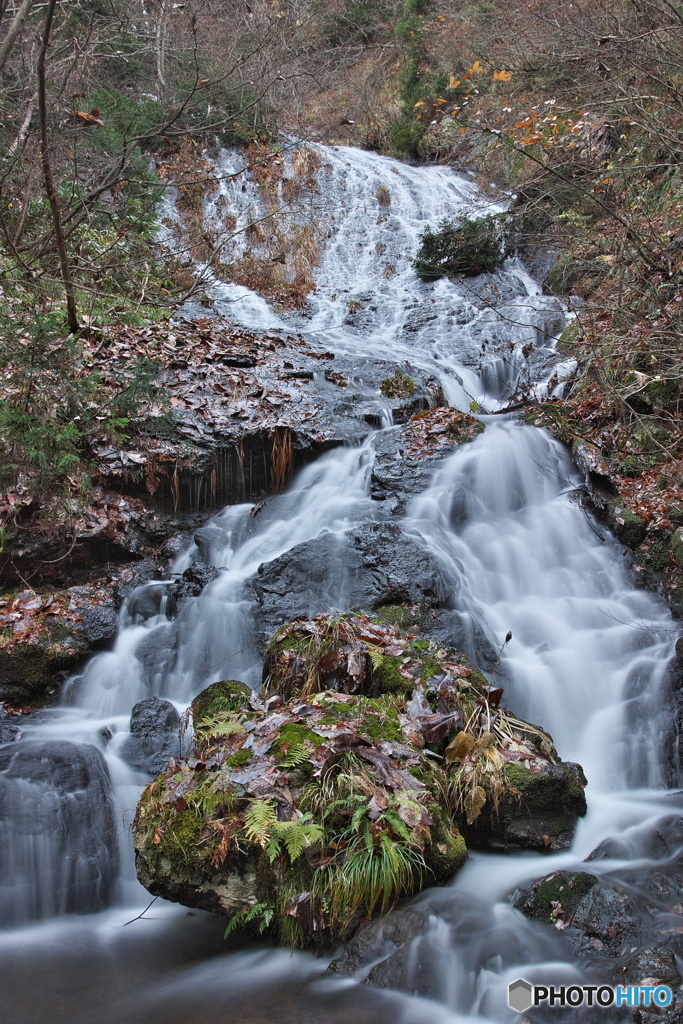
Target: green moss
[
  {"x": 398, "y": 386},
  {"x": 448, "y": 850},
  {"x": 520, "y": 778},
  {"x": 293, "y": 735},
  {"x": 400, "y": 616},
  {"x": 420, "y": 645},
  {"x": 567, "y": 889},
  {"x": 239, "y": 758},
  {"x": 568, "y": 338},
  {"x": 390, "y": 679},
  {"x": 383, "y": 723},
  {"x": 629, "y": 527},
  {"x": 226, "y": 695},
  {"x": 478, "y": 679}
]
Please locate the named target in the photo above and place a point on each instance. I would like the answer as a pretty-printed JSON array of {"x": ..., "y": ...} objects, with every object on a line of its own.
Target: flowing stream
[{"x": 587, "y": 659}]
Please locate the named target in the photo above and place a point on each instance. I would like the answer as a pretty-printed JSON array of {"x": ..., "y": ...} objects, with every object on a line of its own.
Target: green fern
[
  {"x": 260, "y": 821},
  {"x": 263, "y": 910},
  {"x": 376, "y": 656},
  {"x": 296, "y": 755},
  {"x": 299, "y": 834},
  {"x": 219, "y": 726}
]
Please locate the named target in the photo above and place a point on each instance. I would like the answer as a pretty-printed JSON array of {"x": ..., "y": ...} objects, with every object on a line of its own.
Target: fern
[
  {"x": 358, "y": 816},
  {"x": 263, "y": 910},
  {"x": 219, "y": 726},
  {"x": 299, "y": 834},
  {"x": 376, "y": 656},
  {"x": 296, "y": 755},
  {"x": 259, "y": 821}
]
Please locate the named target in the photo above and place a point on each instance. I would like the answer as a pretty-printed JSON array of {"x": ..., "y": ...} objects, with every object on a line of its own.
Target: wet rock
[
  {"x": 406, "y": 459},
  {"x": 9, "y": 731},
  {"x": 157, "y": 651},
  {"x": 59, "y": 843},
  {"x": 373, "y": 565},
  {"x": 194, "y": 579},
  {"x": 601, "y": 917},
  {"x": 538, "y": 810},
  {"x": 609, "y": 849},
  {"x": 607, "y": 921},
  {"x": 649, "y": 967},
  {"x": 593, "y": 467},
  {"x": 208, "y": 538},
  {"x": 381, "y": 940},
  {"x": 335, "y": 751},
  {"x": 148, "y": 601},
  {"x": 154, "y": 738}
]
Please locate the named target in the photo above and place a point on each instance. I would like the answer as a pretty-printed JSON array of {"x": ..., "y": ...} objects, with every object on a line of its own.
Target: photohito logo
[{"x": 522, "y": 995}]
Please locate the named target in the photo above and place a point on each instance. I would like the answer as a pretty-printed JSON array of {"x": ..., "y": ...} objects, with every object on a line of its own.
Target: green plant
[
  {"x": 262, "y": 826},
  {"x": 470, "y": 247},
  {"x": 398, "y": 386}
]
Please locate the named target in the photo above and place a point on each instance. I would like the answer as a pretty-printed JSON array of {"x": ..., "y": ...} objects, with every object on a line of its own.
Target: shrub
[{"x": 470, "y": 247}]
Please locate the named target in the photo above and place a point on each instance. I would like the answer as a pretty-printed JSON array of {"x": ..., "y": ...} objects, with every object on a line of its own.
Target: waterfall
[{"x": 502, "y": 516}]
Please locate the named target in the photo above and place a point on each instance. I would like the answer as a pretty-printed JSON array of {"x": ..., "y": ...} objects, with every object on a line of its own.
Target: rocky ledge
[{"x": 370, "y": 761}]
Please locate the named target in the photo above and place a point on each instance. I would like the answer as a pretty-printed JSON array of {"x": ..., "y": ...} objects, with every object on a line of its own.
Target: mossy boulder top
[{"x": 346, "y": 785}]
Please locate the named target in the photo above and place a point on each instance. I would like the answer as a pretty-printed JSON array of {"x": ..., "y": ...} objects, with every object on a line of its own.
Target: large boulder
[
  {"x": 58, "y": 833},
  {"x": 345, "y": 786},
  {"x": 373, "y": 565}
]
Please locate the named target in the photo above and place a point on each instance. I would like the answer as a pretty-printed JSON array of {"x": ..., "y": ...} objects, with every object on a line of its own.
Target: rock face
[
  {"x": 154, "y": 738},
  {"x": 348, "y": 784},
  {"x": 58, "y": 835},
  {"x": 372, "y": 566}
]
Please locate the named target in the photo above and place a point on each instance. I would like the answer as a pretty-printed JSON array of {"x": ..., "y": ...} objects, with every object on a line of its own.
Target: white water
[{"x": 588, "y": 651}]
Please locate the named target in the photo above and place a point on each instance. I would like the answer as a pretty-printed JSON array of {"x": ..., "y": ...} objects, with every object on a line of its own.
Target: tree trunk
[
  {"x": 50, "y": 191},
  {"x": 14, "y": 30}
]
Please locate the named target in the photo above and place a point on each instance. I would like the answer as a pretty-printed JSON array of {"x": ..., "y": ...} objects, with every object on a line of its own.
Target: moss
[
  {"x": 398, "y": 386},
  {"x": 478, "y": 679},
  {"x": 390, "y": 679},
  {"x": 447, "y": 848},
  {"x": 401, "y": 616},
  {"x": 629, "y": 527},
  {"x": 568, "y": 338},
  {"x": 430, "y": 667},
  {"x": 294, "y": 735},
  {"x": 518, "y": 777},
  {"x": 239, "y": 758},
  {"x": 226, "y": 695},
  {"x": 560, "y": 887},
  {"x": 420, "y": 645},
  {"x": 383, "y": 723}
]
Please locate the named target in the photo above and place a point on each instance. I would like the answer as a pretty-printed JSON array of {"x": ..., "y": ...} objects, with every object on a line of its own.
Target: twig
[{"x": 141, "y": 915}]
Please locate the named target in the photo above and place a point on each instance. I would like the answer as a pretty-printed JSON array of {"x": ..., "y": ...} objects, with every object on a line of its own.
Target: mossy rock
[
  {"x": 556, "y": 895},
  {"x": 319, "y": 824},
  {"x": 627, "y": 526},
  {"x": 310, "y": 812},
  {"x": 226, "y": 695},
  {"x": 30, "y": 672}
]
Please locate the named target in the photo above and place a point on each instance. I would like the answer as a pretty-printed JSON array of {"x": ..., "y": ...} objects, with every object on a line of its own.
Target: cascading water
[{"x": 587, "y": 658}]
